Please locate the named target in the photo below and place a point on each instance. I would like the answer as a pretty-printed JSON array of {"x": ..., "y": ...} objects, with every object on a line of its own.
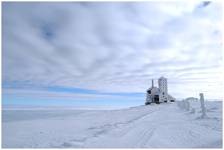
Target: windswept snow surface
[{"x": 152, "y": 126}]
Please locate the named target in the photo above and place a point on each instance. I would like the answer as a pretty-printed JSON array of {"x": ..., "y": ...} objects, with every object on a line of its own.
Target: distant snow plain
[{"x": 153, "y": 126}]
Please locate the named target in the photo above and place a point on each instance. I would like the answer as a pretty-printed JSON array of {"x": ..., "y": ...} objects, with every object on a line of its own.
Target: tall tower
[
  {"x": 152, "y": 83},
  {"x": 163, "y": 88}
]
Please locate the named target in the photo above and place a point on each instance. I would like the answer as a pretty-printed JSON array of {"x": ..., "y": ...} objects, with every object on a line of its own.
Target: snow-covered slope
[{"x": 152, "y": 126}]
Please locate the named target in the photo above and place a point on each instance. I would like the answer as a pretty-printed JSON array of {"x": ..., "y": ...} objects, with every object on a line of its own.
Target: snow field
[{"x": 166, "y": 125}]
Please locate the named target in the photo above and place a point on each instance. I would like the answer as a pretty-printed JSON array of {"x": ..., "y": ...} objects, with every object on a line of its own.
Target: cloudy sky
[{"x": 95, "y": 53}]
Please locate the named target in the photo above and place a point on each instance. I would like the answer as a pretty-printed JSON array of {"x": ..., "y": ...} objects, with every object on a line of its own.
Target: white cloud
[{"x": 115, "y": 47}]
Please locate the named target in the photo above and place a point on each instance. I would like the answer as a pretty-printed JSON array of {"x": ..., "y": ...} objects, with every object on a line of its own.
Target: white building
[
  {"x": 159, "y": 95},
  {"x": 163, "y": 96}
]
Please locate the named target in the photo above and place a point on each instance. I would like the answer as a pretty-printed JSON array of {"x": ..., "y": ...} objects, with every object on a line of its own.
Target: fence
[{"x": 187, "y": 105}]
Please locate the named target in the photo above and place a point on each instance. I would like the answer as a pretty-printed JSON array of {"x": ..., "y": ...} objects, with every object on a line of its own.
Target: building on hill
[{"x": 158, "y": 95}]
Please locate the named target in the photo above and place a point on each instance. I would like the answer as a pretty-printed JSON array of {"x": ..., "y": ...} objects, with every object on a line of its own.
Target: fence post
[
  {"x": 203, "y": 109},
  {"x": 187, "y": 105}
]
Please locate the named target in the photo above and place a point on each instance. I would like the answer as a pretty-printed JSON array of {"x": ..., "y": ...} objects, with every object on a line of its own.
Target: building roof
[
  {"x": 154, "y": 90},
  {"x": 162, "y": 77}
]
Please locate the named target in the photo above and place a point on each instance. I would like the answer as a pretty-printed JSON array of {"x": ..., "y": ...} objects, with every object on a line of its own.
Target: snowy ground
[{"x": 154, "y": 126}]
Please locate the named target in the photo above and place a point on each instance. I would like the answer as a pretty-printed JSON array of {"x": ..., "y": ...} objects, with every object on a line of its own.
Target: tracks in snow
[{"x": 98, "y": 131}]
